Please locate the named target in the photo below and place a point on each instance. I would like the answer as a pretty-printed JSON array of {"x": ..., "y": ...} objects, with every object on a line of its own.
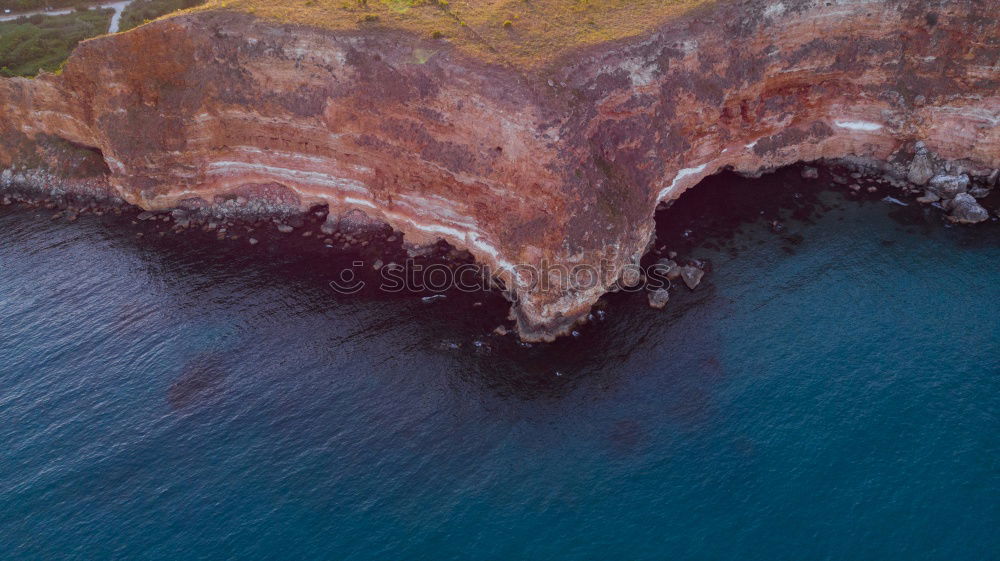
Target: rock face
[{"x": 550, "y": 173}]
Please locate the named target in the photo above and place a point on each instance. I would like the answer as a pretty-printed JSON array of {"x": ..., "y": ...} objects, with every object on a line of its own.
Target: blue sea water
[{"x": 831, "y": 391}]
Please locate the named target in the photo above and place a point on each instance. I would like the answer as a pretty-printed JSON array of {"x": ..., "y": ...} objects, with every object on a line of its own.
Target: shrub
[{"x": 28, "y": 45}]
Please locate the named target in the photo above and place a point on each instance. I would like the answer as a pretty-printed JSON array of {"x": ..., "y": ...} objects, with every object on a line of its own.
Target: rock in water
[
  {"x": 691, "y": 276},
  {"x": 667, "y": 268},
  {"x": 948, "y": 186},
  {"x": 928, "y": 198},
  {"x": 810, "y": 173},
  {"x": 965, "y": 210},
  {"x": 658, "y": 298}
]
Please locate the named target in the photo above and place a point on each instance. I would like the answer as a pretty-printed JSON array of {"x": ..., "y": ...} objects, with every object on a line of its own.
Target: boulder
[
  {"x": 667, "y": 268},
  {"x": 691, "y": 276},
  {"x": 810, "y": 173},
  {"x": 658, "y": 298},
  {"x": 947, "y": 186},
  {"x": 921, "y": 169},
  {"x": 965, "y": 210},
  {"x": 331, "y": 224},
  {"x": 356, "y": 221},
  {"x": 181, "y": 217}
]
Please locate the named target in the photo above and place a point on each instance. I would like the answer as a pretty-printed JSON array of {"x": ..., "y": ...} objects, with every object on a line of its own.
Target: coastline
[
  {"x": 518, "y": 167},
  {"x": 370, "y": 249}
]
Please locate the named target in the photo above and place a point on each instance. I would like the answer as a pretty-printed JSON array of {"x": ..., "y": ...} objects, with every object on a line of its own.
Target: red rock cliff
[{"x": 558, "y": 167}]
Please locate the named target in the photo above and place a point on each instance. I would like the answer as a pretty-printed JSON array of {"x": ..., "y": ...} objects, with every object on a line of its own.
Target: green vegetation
[
  {"x": 37, "y": 42},
  {"x": 38, "y": 5},
  {"x": 141, "y": 11}
]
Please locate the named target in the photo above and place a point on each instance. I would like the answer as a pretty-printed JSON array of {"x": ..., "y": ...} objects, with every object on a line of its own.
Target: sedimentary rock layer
[{"x": 555, "y": 168}]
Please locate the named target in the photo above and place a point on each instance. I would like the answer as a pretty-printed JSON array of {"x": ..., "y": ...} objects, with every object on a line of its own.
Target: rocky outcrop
[{"x": 548, "y": 175}]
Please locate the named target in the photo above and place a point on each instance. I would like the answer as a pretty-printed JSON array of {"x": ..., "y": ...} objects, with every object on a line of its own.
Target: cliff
[{"x": 543, "y": 160}]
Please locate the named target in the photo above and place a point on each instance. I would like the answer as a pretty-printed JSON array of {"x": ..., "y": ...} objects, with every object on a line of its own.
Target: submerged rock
[{"x": 810, "y": 173}]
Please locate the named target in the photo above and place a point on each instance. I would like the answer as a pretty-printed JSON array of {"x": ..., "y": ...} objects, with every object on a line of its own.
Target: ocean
[{"x": 830, "y": 391}]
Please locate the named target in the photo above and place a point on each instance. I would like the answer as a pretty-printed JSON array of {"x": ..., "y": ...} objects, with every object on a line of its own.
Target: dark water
[{"x": 831, "y": 391}]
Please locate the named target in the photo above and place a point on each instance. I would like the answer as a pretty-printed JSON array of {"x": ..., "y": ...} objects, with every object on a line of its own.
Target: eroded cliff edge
[{"x": 553, "y": 168}]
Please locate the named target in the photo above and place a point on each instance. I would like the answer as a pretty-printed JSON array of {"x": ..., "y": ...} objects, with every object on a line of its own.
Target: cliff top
[{"x": 520, "y": 33}]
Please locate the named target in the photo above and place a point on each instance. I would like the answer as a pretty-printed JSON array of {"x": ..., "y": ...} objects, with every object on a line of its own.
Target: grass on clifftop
[
  {"x": 32, "y": 5},
  {"x": 522, "y": 33},
  {"x": 34, "y": 43},
  {"x": 141, "y": 11}
]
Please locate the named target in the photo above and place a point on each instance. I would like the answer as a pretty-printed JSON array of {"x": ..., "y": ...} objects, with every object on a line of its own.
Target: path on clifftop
[{"x": 118, "y": 7}]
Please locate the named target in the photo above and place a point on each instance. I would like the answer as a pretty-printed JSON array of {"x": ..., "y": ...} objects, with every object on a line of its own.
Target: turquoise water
[{"x": 830, "y": 392}]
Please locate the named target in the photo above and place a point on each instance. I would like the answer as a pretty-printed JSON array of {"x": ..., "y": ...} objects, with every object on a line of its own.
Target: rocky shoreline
[
  {"x": 235, "y": 220},
  {"x": 918, "y": 177},
  {"x": 564, "y": 163}
]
